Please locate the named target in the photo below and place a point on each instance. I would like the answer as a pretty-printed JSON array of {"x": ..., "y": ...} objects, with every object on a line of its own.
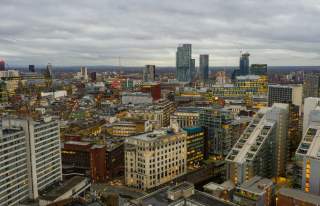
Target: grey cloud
[{"x": 76, "y": 32}]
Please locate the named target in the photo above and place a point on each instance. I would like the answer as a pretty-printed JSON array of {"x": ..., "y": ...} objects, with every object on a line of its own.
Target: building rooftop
[
  {"x": 57, "y": 190},
  {"x": 248, "y": 77},
  {"x": 300, "y": 195},
  {"x": 156, "y": 134},
  {"x": 310, "y": 143},
  {"x": 196, "y": 198},
  {"x": 251, "y": 140},
  {"x": 256, "y": 185}
]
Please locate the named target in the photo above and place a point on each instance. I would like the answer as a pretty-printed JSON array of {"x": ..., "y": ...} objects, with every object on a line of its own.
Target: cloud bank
[{"x": 98, "y": 32}]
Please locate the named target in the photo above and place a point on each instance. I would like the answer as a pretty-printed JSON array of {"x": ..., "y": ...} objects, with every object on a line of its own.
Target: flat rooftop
[
  {"x": 300, "y": 195},
  {"x": 159, "y": 198},
  {"x": 256, "y": 185},
  {"x": 310, "y": 143},
  {"x": 156, "y": 134},
  {"x": 57, "y": 190}
]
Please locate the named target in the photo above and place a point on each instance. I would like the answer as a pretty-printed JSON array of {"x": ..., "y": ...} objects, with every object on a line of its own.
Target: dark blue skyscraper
[
  {"x": 204, "y": 67},
  {"x": 244, "y": 64},
  {"x": 184, "y": 63}
]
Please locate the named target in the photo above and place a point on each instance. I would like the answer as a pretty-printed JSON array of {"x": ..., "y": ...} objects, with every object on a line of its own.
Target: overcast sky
[{"x": 97, "y": 32}]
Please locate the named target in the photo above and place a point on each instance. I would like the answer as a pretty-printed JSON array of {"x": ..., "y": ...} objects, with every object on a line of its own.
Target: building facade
[
  {"x": 216, "y": 122},
  {"x": 184, "y": 63},
  {"x": 149, "y": 73},
  {"x": 155, "y": 158},
  {"x": 311, "y": 85},
  {"x": 41, "y": 151},
  {"x": 261, "y": 149}
]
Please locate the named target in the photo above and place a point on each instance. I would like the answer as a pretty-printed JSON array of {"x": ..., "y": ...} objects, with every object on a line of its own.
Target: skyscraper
[
  {"x": 244, "y": 64},
  {"x": 184, "y": 63},
  {"x": 31, "y": 68},
  {"x": 149, "y": 73},
  {"x": 48, "y": 72},
  {"x": 311, "y": 85},
  {"x": 84, "y": 73},
  {"x": 204, "y": 67},
  {"x": 2, "y": 65}
]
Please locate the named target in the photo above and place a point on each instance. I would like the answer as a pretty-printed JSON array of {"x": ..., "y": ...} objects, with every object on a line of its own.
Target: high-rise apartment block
[
  {"x": 216, "y": 122},
  {"x": 261, "y": 149},
  {"x": 30, "y": 158},
  {"x": 204, "y": 67},
  {"x": 308, "y": 152},
  {"x": 184, "y": 63},
  {"x": 155, "y": 158},
  {"x": 244, "y": 63},
  {"x": 149, "y": 73}
]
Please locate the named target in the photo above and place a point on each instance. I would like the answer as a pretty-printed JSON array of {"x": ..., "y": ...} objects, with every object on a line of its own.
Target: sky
[{"x": 98, "y": 32}]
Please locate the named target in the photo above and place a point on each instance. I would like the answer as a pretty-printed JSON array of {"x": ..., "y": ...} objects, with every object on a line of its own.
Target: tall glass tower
[
  {"x": 204, "y": 67},
  {"x": 184, "y": 63},
  {"x": 244, "y": 64}
]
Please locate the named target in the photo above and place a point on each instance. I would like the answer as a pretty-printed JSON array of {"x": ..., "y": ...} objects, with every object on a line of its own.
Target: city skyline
[{"x": 57, "y": 32}]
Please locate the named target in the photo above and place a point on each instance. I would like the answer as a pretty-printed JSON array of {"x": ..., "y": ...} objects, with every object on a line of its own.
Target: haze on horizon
[{"x": 97, "y": 32}]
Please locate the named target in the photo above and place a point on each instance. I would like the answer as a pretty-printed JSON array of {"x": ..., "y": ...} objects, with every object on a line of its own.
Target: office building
[
  {"x": 149, "y": 73},
  {"x": 84, "y": 158},
  {"x": 34, "y": 158},
  {"x": 294, "y": 197},
  {"x": 257, "y": 191},
  {"x": 185, "y": 117},
  {"x": 216, "y": 122},
  {"x": 157, "y": 113},
  {"x": 152, "y": 88},
  {"x": 32, "y": 68},
  {"x": 184, "y": 63},
  {"x": 131, "y": 127},
  {"x": 204, "y": 67},
  {"x": 259, "y": 69},
  {"x": 311, "y": 85},
  {"x": 93, "y": 76},
  {"x": 195, "y": 146},
  {"x": 2, "y": 65},
  {"x": 193, "y": 69},
  {"x": 244, "y": 64},
  {"x": 155, "y": 158},
  {"x": 261, "y": 149},
  {"x": 288, "y": 94},
  {"x": 243, "y": 86}
]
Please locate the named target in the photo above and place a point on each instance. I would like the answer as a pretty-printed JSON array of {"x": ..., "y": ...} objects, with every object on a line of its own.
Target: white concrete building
[
  {"x": 155, "y": 158},
  {"x": 13, "y": 166},
  {"x": 261, "y": 149},
  {"x": 308, "y": 152},
  {"x": 42, "y": 152}
]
